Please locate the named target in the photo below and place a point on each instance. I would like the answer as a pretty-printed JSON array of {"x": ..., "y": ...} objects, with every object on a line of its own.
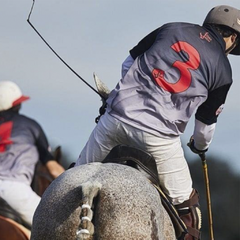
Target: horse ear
[
  {"x": 101, "y": 87},
  {"x": 57, "y": 154}
]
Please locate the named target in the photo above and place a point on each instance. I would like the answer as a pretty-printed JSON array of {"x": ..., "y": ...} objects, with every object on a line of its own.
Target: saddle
[
  {"x": 8, "y": 212},
  {"x": 136, "y": 158},
  {"x": 146, "y": 164},
  {"x": 10, "y": 230},
  {"x": 12, "y": 226}
]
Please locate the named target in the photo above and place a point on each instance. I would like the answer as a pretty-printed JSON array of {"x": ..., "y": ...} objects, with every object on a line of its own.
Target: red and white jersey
[{"x": 178, "y": 68}]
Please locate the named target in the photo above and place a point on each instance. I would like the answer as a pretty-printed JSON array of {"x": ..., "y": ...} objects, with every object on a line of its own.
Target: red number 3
[{"x": 185, "y": 75}]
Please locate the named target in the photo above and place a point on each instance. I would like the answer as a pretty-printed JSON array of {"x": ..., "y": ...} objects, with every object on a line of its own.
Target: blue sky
[{"x": 94, "y": 36}]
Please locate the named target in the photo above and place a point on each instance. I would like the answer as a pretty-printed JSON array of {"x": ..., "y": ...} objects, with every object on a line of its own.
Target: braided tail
[{"x": 86, "y": 228}]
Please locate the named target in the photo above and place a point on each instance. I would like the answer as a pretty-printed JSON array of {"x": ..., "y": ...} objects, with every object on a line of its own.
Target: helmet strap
[{"x": 228, "y": 50}]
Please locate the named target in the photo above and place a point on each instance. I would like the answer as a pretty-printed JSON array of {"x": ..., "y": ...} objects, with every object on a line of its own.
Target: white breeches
[
  {"x": 172, "y": 167},
  {"x": 20, "y": 197}
]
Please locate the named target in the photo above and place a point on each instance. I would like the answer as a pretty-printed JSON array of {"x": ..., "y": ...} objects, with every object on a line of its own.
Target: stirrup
[{"x": 189, "y": 212}]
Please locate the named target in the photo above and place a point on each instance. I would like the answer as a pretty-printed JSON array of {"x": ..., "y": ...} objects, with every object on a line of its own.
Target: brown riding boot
[{"x": 189, "y": 212}]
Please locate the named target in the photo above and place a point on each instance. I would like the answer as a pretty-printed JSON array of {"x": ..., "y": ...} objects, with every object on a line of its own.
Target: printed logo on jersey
[
  {"x": 220, "y": 109},
  {"x": 184, "y": 82},
  {"x": 5, "y": 134},
  {"x": 205, "y": 36}
]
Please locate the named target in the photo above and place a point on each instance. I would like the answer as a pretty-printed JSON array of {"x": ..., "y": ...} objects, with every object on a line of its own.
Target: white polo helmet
[{"x": 10, "y": 95}]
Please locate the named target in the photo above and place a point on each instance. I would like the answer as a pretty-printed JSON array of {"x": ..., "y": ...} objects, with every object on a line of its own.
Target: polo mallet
[{"x": 205, "y": 171}]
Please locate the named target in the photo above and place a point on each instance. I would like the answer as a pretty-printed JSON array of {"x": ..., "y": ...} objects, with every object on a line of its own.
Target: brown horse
[{"x": 12, "y": 226}]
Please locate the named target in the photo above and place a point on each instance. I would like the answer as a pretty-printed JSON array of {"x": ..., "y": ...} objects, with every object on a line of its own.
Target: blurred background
[{"x": 95, "y": 36}]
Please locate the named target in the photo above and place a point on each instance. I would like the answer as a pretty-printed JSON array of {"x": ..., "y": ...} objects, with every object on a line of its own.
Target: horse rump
[{"x": 101, "y": 201}]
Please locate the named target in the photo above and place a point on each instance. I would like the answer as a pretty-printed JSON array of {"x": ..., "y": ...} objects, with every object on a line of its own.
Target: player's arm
[
  {"x": 138, "y": 50},
  {"x": 206, "y": 119},
  {"x": 45, "y": 156}
]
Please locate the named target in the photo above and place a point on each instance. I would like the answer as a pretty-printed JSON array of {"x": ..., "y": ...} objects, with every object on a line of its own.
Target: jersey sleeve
[
  {"x": 126, "y": 65},
  {"x": 203, "y": 135},
  {"x": 43, "y": 147},
  {"x": 144, "y": 44},
  {"x": 209, "y": 111}
]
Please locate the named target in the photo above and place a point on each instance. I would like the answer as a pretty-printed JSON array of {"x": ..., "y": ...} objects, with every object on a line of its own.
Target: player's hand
[{"x": 193, "y": 148}]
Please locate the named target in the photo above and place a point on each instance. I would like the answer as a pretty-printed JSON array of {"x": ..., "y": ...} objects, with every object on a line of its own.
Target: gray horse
[{"x": 101, "y": 202}]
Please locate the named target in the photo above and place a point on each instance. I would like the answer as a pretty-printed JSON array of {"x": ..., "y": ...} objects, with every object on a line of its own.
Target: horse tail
[{"x": 90, "y": 191}]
